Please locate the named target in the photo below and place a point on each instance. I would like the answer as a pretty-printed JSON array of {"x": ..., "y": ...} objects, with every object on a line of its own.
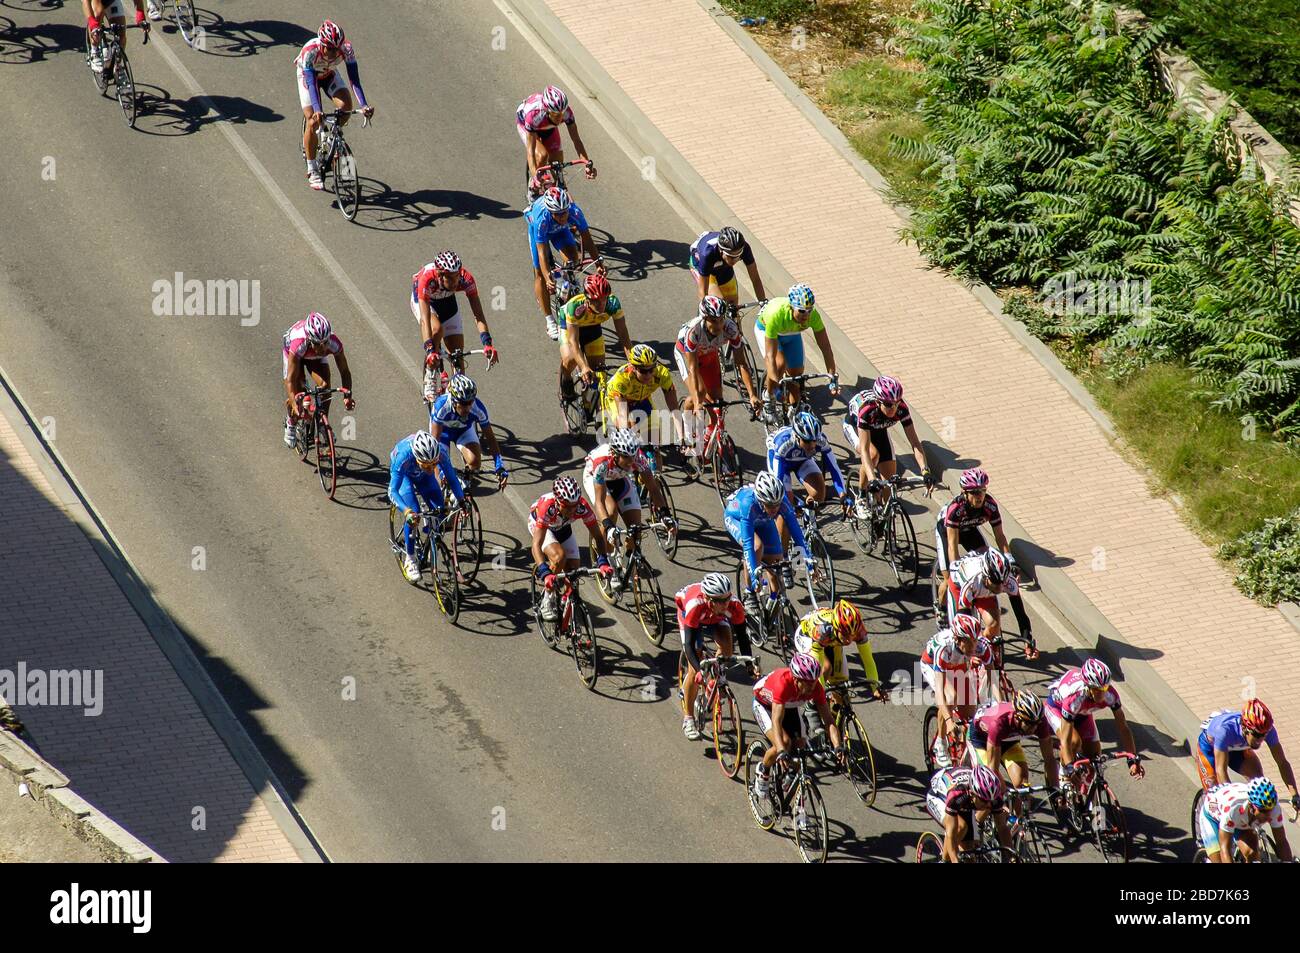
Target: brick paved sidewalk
[
  {"x": 1052, "y": 467},
  {"x": 151, "y": 756}
]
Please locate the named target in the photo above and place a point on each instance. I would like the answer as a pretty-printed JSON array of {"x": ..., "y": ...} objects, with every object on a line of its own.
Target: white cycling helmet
[
  {"x": 425, "y": 448},
  {"x": 768, "y": 489},
  {"x": 716, "y": 585}
]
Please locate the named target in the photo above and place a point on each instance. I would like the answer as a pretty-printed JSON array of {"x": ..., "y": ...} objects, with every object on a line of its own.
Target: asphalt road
[{"x": 172, "y": 425}]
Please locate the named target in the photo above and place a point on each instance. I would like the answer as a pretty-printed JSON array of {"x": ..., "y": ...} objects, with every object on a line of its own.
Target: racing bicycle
[
  {"x": 571, "y": 630},
  {"x": 632, "y": 572}
]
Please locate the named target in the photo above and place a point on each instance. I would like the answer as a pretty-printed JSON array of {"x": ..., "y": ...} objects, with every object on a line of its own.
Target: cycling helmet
[
  {"x": 425, "y": 448},
  {"x": 462, "y": 388},
  {"x": 1262, "y": 794},
  {"x": 730, "y": 241},
  {"x": 974, "y": 479},
  {"x": 847, "y": 618},
  {"x": 556, "y": 200},
  {"x": 642, "y": 356},
  {"x": 1028, "y": 706},
  {"x": 448, "y": 262},
  {"x": 1096, "y": 673},
  {"x": 801, "y": 297},
  {"x": 1256, "y": 716},
  {"x": 554, "y": 100},
  {"x": 625, "y": 441},
  {"x": 985, "y": 784},
  {"x": 997, "y": 568},
  {"x": 806, "y": 426},
  {"x": 711, "y": 306},
  {"x": 965, "y": 626},
  {"x": 887, "y": 390},
  {"x": 804, "y": 667},
  {"x": 596, "y": 286},
  {"x": 768, "y": 489},
  {"x": 317, "y": 328},
  {"x": 716, "y": 585},
  {"x": 330, "y": 35},
  {"x": 566, "y": 490}
]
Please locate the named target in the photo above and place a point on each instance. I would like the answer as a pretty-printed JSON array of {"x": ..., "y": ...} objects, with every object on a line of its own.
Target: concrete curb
[
  {"x": 80, "y": 510},
  {"x": 50, "y": 788},
  {"x": 1066, "y": 607}
]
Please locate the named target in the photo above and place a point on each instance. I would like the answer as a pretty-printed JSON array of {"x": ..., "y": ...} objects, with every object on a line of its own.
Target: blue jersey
[
  {"x": 543, "y": 228},
  {"x": 453, "y": 425},
  {"x": 746, "y": 515},
  {"x": 405, "y": 475},
  {"x": 1222, "y": 732},
  {"x": 785, "y": 457}
]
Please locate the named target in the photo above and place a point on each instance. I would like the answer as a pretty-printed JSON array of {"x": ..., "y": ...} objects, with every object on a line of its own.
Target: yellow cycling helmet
[
  {"x": 847, "y": 618},
  {"x": 643, "y": 355}
]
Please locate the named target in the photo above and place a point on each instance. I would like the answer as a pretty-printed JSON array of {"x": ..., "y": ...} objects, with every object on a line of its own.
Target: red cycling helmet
[
  {"x": 596, "y": 286},
  {"x": 1256, "y": 717}
]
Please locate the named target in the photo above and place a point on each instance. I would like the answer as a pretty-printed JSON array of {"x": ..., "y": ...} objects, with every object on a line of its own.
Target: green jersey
[{"x": 777, "y": 318}]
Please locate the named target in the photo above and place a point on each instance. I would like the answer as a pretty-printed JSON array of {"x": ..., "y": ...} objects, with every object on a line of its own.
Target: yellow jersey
[
  {"x": 625, "y": 385},
  {"x": 816, "y": 636},
  {"x": 577, "y": 312}
]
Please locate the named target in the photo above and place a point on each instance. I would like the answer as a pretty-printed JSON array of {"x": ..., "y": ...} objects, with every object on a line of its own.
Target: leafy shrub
[{"x": 1269, "y": 560}]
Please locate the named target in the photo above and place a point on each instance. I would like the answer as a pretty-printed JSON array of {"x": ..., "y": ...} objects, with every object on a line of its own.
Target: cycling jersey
[
  {"x": 777, "y": 318},
  {"x": 967, "y": 583},
  {"x": 531, "y": 114},
  {"x": 816, "y": 635},
  {"x": 580, "y": 314},
  {"x": 785, "y": 456},
  {"x": 1228, "y": 806},
  {"x": 744, "y": 516},
  {"x": 962, "y": 515},
  {"x": 695, "y": 611},
  {"x": 942, "y": 653},
  {"x": 317, "y": 66},
  {"x": 994, "y": 723},
  {"x": 546, "y": 513},
  {"x": 626, "y": 386},
  {"x": 426, "y": 286},
  {"x": 405, "y": 477},
  {"x": 599, "y": 466},
  {"x": 1222, "y": 732},
  {"x": 295, "y": 343},
  {"x": 694, "y": 338},
  {"x": 1069, "y": 696},
  {"x": 454, "y": 426},
  {"x": 706, "y": 258},
  {"x": 864, "y": 411},
  {"x": 543, "y": 228},
  {"x": 952, "y": 786},
  {"x": 779, "y": 687}
]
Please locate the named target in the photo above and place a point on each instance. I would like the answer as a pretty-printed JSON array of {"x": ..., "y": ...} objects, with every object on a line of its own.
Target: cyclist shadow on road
[
  {"x": 234, "y": 38},
  {"x": 160, "y": 115},
  {"x": 362, "y": 480},
  {"x": 20, "y": 46},
  {"x": 633, "y": 261},
  {"x": 539, "y": 462},
  {"x": 384, "y": 208},
  {"x": 631, "y": 674}
]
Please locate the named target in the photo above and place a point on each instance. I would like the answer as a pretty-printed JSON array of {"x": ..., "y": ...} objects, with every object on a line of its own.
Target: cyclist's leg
[
  {"x": 814, "y": 481},
  {"x": 1246, "y": 763},
  {"x": 407, "y": 500},
  {"x": 471, "y": 450},
  {"x": 341, "y": 96},
  {"x": 320, "y": 372},
  {"x": 882, "y": 458},
  {"x": 790, "y": 352}
]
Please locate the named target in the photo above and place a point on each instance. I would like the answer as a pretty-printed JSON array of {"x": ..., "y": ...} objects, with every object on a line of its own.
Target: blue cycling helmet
[
  {"x": 801, "y": 297},
  {"x": 806, "y": 426},
  {"x": 1262, "y": 794}
]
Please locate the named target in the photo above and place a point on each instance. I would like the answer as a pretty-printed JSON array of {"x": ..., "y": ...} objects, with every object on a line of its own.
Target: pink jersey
[
  {"x": 694, "y": 338},
  {"x": 426, "y": 286},
  {"x": 546, "y": 513},
  {"x": 295, "y": 343},
  {"x": 694, "y": 610},
  {"x": 1229, "y": 805},
  {"x": 314, "y": 56},
  {"x": 1069, "y": 695},
  {"x": 531, "y": 114}
]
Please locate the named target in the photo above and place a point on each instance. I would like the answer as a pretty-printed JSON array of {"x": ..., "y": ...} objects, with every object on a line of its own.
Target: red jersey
[
  {"x": 695, "y": 611},
  {"x": 780, "y": 688},
  {"x": 546, "y": 513},
  {"x": 426, "y": 286}
]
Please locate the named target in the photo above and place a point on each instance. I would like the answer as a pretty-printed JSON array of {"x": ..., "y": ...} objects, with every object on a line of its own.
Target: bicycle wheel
[
  {"x": 343, "y": 179},
  {"x": 728, "y": 732},
  {"x": 929, "y": 848},
  {"x": 900, "y": 547},
  {"x": 648, "y": 600},
  {"x": 1109, "y": 827},
  {"x": 784, "y": 625},
  {"x": 755, "y": 370},
  {"x": 668, "y": 540},
  {"x": 929, "y": 731},
  {"x": 101, "y": 80},
  {"x": 396, "y": 534},
  {"x": 937, "y": 596},
  {"x": 1197, "y": 798},
  {"x": 583, "y": 646},
  {"x": 549, "y": 631},
  {"x": 728, "y": 474},
  {"x": 822, "y": 590},
  {"x": 469, "y": 539},
  {"x": 1200, "y": 857},
  {"x": 1028, "y": 845},
  {"x": 186, "y": 21},
  {"x": 606, "y": 586},
  {"x": 446, "y": 585},
  {"x": 765, "y": 810},
  {"x": 862, "y": 534},
  {"x": 124, "y": 87},
  {"x": 807, "y": 821},
  {"x": 860, "y": 760},
  {"x": 326, "y": 470},
  {"x": 575, "y": 419}
]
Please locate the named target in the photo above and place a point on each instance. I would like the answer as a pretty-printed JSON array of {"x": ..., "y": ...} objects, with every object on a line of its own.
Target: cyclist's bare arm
[
  {"x": 824, "y": 345},
  {"x": 345, "y": 372},
  {"x": 756, "y": 280},
  {"x": 620, "y": 328}
]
